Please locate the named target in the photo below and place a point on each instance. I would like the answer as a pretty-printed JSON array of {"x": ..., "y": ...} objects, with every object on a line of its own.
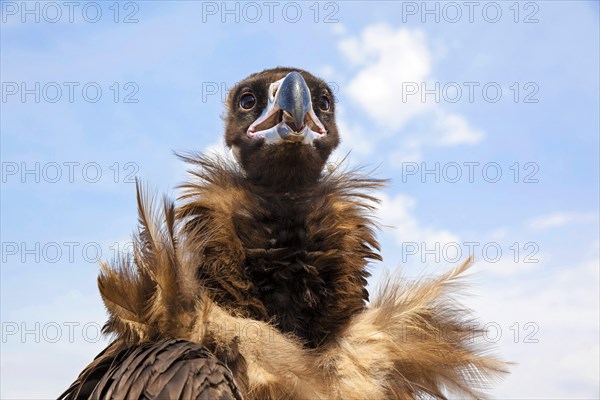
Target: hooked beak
[
  {"x": 293, "y": 98},
  {"x": 289, "y": 116}
]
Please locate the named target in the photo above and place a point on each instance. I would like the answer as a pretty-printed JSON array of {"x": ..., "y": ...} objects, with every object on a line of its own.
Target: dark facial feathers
[{"x": 287, "y": 164}]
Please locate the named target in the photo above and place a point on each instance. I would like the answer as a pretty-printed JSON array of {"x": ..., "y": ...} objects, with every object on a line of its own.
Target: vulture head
[{"x": 280, "y": 124}]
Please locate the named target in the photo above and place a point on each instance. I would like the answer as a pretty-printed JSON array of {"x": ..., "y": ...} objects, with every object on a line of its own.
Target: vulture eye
[
  {"x": 248, "y": 101},
  {"x": 324, "y": 103}
]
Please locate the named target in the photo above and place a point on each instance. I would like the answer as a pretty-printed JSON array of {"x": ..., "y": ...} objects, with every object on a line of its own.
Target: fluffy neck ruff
[
  {"x": 297, "y": 258},
  {"x": 288, "y": 316}
]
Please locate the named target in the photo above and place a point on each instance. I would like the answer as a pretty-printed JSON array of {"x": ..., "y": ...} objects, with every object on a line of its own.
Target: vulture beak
[{"x": 289, "y": 115}]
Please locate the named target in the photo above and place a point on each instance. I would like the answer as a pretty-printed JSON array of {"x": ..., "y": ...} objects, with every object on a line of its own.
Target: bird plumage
[
  {"x": 167, "y": 369},
  {"x": 296, "y": 258},
  {"x": 259, "y": 272}
]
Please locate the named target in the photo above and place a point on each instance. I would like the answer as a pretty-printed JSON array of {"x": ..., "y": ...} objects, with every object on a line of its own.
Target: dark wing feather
[{"x": 168, "y": 369}]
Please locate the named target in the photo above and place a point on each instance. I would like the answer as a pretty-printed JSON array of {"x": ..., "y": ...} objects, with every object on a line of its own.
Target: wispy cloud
[
  {"x": 397, "y": 212},
  {"x": 561, "y": 219},
  {"x": 454, "y": 129}
]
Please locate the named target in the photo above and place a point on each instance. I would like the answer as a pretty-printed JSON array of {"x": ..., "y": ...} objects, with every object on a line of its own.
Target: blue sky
[{"x": 378, "y": 56}]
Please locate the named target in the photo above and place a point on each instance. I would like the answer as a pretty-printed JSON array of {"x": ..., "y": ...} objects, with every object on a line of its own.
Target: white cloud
[
  {"x": 559, "y": 347},
  {"x": 339, "y": 29},
  {"x": 397, "y": 213},
  {"x": 387, "y": 61},
  {"x": 447, "y": 129},
  {"x": 454, "y": 129},
  {"x": 560, "y": 219}
]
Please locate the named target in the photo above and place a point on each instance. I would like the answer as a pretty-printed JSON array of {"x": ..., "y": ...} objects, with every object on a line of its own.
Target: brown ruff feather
[{"x": 299, "y": 258}]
